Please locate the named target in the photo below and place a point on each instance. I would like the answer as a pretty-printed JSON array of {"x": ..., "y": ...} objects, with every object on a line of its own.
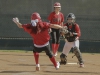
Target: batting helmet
[
  {"x": 35, "y": 18},
  {"x": 71, "y": 15},
  {"x": 57, "y": 4}
]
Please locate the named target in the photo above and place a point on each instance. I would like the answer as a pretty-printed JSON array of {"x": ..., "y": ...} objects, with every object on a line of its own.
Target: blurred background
[{"x": 87, "y": 14}]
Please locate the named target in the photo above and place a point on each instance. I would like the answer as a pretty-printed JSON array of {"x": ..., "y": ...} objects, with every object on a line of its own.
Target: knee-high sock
[
  {"x": 53, "y": 48},
  {"x": 36, "y": 56},
  {"x": 56, "y": 47},
  {"x": 53, "y": 61}
]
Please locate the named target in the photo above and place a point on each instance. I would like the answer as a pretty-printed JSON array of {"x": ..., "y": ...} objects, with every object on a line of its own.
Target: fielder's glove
[
  {"x": 70, "y": 37},
  {"x": 64, "y": 30}
]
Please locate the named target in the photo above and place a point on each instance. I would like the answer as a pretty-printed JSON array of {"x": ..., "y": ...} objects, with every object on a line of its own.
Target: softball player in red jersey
[
  {"x": 39, "y": 32},
  {"x": 72, "y": 41},
  {"x": 56, "y": 17}
]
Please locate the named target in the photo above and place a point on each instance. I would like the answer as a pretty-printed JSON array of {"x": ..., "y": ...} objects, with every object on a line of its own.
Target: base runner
[{"x": 39, "y": 32}]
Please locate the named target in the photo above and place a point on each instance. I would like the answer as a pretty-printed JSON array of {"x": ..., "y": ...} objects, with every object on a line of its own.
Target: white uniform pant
[{"x": 69, "y": 45}]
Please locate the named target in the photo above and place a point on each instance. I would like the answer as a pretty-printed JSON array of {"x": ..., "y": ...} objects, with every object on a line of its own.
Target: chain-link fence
[{"x": 87, "y": 14}]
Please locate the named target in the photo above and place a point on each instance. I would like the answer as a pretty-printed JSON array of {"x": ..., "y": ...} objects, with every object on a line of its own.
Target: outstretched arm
[
  {"x": 16, "y": 21},
  {"x": 55, "y": 26}
]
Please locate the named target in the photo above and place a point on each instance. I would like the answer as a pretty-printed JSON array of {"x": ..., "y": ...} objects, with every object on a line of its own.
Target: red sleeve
[
  {"x": 77, "y": 29},
  {"x": 50, "y": 17},
  {"x": 27, "y": 27},
  {"x": 46, "y": 25},
  {"x": 62, "y": 18}
]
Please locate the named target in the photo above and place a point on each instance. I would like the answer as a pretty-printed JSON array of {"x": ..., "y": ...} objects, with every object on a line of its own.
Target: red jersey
[
  {"x": 40, "y": 38},
  {"x": 56, "y": 18},
  {"x": 77, "y": 29}
]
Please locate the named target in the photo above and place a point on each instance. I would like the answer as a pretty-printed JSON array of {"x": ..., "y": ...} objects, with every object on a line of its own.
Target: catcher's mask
[{"x": 70, "y": 18}]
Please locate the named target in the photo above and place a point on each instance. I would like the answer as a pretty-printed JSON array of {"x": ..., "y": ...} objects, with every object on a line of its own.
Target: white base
[{"x": 72, "y": 63}]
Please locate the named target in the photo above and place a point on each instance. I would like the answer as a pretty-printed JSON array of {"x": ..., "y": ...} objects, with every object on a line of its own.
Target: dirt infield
[{"x": 22, "y": 63}]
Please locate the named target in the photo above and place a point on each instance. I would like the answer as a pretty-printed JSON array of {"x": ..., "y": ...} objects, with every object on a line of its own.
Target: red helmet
[
  {"x": 35, "y": 16},
  {"x": 57, "y": 4}
]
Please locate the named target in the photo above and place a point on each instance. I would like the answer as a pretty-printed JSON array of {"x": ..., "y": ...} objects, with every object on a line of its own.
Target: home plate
[{"x": 72, "y": 63}]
